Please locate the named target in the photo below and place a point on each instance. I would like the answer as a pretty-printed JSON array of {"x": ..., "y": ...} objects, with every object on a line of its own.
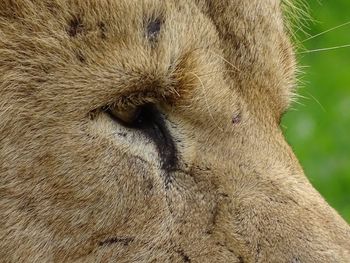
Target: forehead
[
  {"x": 125, "y": 10},
  {"x": 118, "y": 32},
  {"x": 125, "y": 17}
]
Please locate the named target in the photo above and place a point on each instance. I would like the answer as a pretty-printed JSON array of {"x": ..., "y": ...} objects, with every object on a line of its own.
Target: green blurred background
[{"x": 318, "y": 126}]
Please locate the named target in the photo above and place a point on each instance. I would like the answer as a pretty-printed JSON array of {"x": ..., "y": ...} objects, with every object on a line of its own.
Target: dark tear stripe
[
  {"x": 151, "y": 123},
  {"x": 160, "y": 135}
]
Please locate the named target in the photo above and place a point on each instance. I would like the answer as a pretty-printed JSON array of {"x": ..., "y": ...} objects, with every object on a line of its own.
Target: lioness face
[{"x": 148, "y": 131}]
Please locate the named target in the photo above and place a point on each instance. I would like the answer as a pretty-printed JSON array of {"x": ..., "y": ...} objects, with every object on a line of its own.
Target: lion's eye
[
  {"x": 149, "y": 121},
  {"x": 138, "y": 117}
]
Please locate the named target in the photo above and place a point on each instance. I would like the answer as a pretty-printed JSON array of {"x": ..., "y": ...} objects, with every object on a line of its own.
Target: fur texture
[{"x": 205, "y": 176}]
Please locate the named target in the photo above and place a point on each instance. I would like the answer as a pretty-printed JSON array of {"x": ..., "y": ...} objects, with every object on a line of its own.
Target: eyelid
[
  {"x": 129, "y": 101},
  {"x": 127, "y": 116}
]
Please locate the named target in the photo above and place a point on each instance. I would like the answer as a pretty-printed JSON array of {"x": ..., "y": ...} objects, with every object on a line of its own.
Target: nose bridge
[{"x": 268, "y": 200}]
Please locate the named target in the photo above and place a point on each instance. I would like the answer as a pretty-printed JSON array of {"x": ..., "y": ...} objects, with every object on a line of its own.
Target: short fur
[{"x": 77, "y": 186}]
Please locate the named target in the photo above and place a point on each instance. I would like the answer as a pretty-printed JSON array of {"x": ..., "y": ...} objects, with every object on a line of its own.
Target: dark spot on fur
[
  {"x": 80, "y": 56},
  {"x": 103, "y": 30},
  {"x": 296, "y": 260},
  {"x": 153, "y": 29},
  {"x": 185, "y": 258},
  {"x": 149, "y": 185},
  {"x": 125, "y": 241},
  {"x": 75, "y": 27},
  {"x": 240, "y": 259},
  {"x": 237, "y": 118}
]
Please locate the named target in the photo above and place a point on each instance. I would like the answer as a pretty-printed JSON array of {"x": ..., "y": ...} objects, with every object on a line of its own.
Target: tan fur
[{"x": 77, "y": 187}]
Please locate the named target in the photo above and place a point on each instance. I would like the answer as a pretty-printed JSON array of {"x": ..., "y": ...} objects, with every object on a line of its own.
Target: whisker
[
  {"x": 225, "y": 60},
  {"x": 317, "y": 101},
  {"x": 324, "y": 32},
  {"x": 323, "y": 49},
  {"x": 296, "y": 99},
  {"x": 206, "y": 100},
  {"x": 220, "y": 57},
  {"x": 216, "y": 72}
]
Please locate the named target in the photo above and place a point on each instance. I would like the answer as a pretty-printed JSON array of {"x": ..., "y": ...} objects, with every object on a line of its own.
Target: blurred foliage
[{"x": 318, "y": 124}]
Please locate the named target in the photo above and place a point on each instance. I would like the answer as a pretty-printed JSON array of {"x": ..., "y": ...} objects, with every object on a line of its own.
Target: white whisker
[
  {"x": 225, "y": 60},
  {"x": 206, "y": 100},
  {"x": 323, "y": 49},
  {"x": 317, "y": 101},
  {"x": 324, "y": 32}
]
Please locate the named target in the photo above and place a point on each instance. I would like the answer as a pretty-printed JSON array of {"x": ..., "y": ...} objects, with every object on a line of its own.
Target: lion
[{"x": 149, "y": 131}]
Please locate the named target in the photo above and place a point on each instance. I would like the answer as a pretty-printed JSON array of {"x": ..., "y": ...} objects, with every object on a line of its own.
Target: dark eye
[
  {"x": 152, "y": 123},
  {"x": 139, "y": 117}
]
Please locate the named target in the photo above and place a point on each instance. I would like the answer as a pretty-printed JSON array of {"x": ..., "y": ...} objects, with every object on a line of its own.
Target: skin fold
[{"x": 148, "y": 131}]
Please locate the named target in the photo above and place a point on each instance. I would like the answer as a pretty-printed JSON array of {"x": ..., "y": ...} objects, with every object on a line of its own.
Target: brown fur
[{"x": 78, "y": 187}]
